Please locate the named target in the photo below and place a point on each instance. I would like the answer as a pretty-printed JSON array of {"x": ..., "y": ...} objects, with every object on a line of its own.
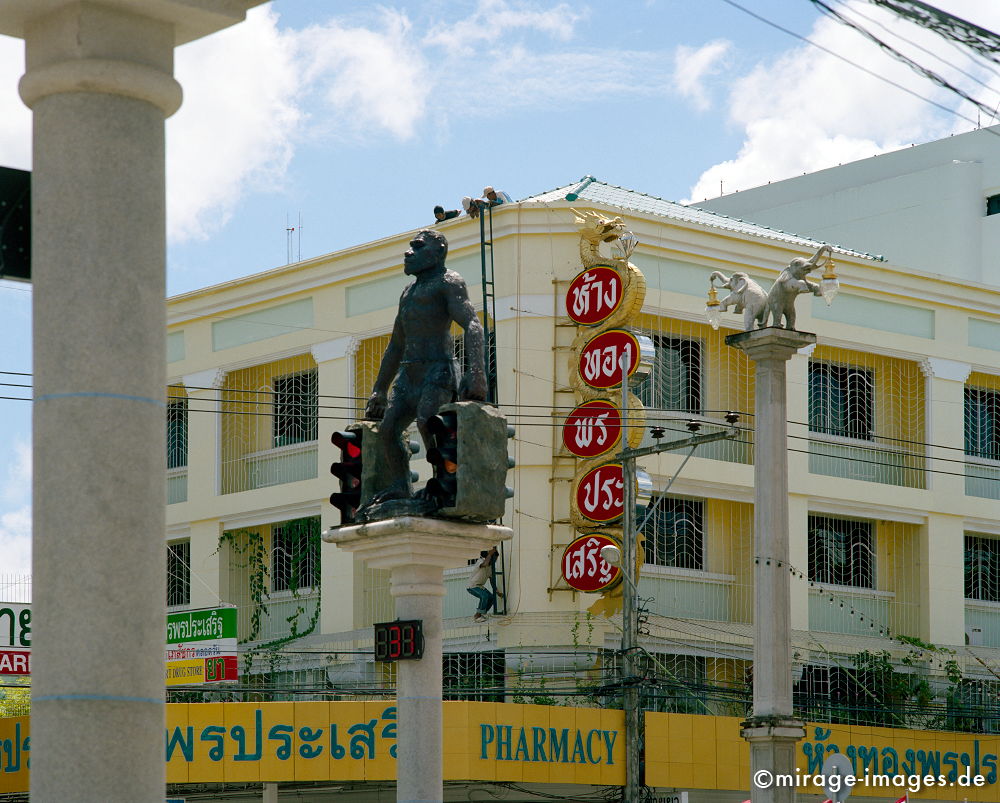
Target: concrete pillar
[
  {"x": 771, "y": 731},
  {"x": 99, "y": 82},
  {"x": 270, "y": 793},
  {"x": 339, "y": 576},
  {"x": 203, "y": 433},
  {"x": 942, "y": 540},
  {"x": 417, "y": 551}
]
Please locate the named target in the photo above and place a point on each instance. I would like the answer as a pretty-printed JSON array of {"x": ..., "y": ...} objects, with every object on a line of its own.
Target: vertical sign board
[
  {"x": 15, "y": 638},
  {"x": 201, "y": 646},
  {"x": 15, "y": 224}
]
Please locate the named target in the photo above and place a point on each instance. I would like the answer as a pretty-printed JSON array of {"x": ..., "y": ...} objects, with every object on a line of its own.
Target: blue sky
[{"x": 362, "y": 117}]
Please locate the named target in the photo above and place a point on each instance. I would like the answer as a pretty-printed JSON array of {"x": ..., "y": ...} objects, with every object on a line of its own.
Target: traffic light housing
[
  {"x": 468, "y": 452},
  {"x": 348, "y": 470}
]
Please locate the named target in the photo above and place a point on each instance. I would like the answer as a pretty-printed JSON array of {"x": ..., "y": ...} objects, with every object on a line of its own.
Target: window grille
[
  {"x": 841, "y": 400},
  {"x": 982, "y": 423},
  {"x": 179, "y": 573},
  {"x": 177, "y": 432},
  {"x": 675, "y": 383},
  {"x": 982, "y": 568},
  {"x": 295, "y": 554},
  {"x": 675, "y": 533},
  {"x": 841, "y": 552},
  {"x": 296, "y": 404},
  {"x": 474, "y": 676},
  {"x": 671, "y": 683},
  {"x": 974, "y": 706}
]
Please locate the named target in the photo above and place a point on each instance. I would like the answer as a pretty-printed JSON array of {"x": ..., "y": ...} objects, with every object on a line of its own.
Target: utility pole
[{"x": 631, "y": 699}]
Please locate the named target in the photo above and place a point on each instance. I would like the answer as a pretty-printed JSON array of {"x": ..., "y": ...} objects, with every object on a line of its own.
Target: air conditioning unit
[{"x": 974, "y": 636}]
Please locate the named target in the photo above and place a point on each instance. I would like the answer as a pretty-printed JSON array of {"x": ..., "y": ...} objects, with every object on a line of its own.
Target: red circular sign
[
  {"x": 594, "y": 295},
  {"x": 584, "y": 568},
  {"x": 601, "y": 358},
  {"x": 593, "y": 428},
  {"x": 600, "y": 495}
]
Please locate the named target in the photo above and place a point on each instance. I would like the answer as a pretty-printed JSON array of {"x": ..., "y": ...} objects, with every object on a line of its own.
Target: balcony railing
[
  {"x": 271, "y": 467},
  {"x": 177, "y": 485},
  {"x": 869, "y": 461},
  {"x": 851, "y": 611},
  {"x": 690, "y": 594}
]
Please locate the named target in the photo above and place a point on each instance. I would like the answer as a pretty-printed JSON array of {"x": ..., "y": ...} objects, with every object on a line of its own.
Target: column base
[{"x": 772, "y": 756}]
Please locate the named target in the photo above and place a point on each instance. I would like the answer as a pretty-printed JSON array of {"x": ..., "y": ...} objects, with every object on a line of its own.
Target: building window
[
  {"x": 982, "y": 423},
  {"x": 841, "y": 552},
  {"x": 982, "y": 568},
  {"x": 993, "y": 205},
  {"x": 841, "y": 400},
  {"x": 177, "y": 433},
  {"x": 675, "y": 381},
  {"x": 179, "y": 573},
  {"x": 674, "y": 532},
  {"x": 295, "y": 555},
  {"x": 474, "y": 676},
  {"x": 296, "y": 404}
]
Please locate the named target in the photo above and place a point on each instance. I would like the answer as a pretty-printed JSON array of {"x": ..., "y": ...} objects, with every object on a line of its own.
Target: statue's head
[
  {"x": 427, "y": 250},
  {"x": 799, "y": 267}
]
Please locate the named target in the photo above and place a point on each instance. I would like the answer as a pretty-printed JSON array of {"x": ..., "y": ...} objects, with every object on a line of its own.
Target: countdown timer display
[{"x": 400, "y": 640}]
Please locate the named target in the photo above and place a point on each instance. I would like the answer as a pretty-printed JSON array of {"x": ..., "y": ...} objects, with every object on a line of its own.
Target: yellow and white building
[{"x": 894, "y": 457}]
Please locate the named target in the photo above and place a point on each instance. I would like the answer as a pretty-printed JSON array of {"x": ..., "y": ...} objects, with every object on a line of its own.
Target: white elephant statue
[
  {"x": 790, "y": 283},
  {"x": 745, "y": 296}
]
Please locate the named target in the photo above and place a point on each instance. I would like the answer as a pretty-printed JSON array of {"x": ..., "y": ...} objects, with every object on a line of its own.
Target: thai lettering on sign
[
  {"x": 584, "y": 568},
  {"x": 592, "y": 429},
  {"x": 601, "y": 359},
  {"x": 600, "y": 495},
  {"x": 594, "y": 295}
]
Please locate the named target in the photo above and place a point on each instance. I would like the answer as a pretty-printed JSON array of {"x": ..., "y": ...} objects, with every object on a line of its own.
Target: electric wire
[{"x": 846, "y": 60}]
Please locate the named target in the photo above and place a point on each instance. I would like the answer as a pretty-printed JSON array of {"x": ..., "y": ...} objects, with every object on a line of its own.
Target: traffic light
[
  {"x": 348, "y": 471},
  {"x": 442, "y": 454},
  {"x": 468, "y": 452}
]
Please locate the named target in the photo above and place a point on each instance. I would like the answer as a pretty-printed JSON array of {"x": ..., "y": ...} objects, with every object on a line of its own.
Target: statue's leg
[
  {"x": 440, "y": 387},
  {"x": 398, "y": 416}
]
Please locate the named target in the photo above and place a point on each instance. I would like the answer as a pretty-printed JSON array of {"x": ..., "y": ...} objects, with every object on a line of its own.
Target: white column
[
  {"x": 99, "y": 82},
  {"x": 942, "y": 540},
  {"x": 417, "y": 551},
  {"x": 772, "y": 731},
  {"x": 339, "y": 576}
]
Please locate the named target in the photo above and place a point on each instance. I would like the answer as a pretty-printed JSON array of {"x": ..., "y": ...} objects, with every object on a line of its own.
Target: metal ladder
[{"x": 489, "y": 302}]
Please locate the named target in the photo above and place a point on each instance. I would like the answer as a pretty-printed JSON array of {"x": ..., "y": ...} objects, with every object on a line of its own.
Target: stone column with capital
[
  {"x": 99, "y": 83},
  {"x": 772, "y": 730},
  {"x": 417, "y": 551}
]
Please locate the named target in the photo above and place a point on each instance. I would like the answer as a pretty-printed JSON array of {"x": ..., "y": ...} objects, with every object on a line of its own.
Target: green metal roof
[{"x": 590, "y": 189}]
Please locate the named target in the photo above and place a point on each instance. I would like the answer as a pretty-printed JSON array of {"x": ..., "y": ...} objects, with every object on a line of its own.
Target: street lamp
[
  {"x": 829, "y": 285},
  {"x": 612, "y": 556}
]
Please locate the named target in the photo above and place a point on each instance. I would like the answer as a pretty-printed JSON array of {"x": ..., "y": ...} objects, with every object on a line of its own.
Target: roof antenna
[{"x": 293, "y": 240}]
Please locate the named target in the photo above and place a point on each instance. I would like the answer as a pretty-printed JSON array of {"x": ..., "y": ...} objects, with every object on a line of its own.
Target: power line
[{"x": 846, "y": 60}]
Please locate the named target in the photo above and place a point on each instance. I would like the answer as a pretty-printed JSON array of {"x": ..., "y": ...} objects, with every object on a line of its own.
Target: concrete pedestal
[
  {"x": 772, "y": 746},
  {"x": 99, "y": 83},
  {"x": 417, "y": 551}
]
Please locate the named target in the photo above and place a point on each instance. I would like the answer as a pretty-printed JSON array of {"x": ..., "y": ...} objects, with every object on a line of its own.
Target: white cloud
[
  {"x": 237, "y": 126},
  {"x": 15, "y": 119},
  {"x": 15, "y": 520},
  {"x": 495, "y": 18},
  {"x": 808, "y": 110},
  {"x": 693, "y": 65},
  {"x": 371, "y": 78},
  {"x": 15, "y": 544}
]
